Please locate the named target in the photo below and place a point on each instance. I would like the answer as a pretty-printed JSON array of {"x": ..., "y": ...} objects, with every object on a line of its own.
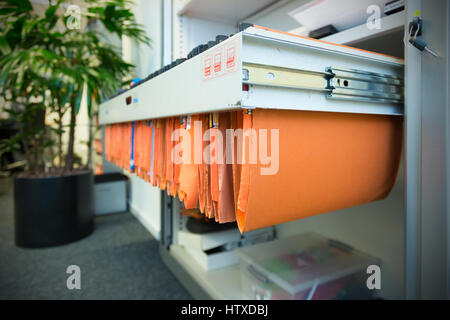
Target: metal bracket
[
  {"x": 264, "y": 75},
  {"x": 167, "y": 208},
  {"x": 357, "y": 85},
  {"x": 337, "y": 83}
]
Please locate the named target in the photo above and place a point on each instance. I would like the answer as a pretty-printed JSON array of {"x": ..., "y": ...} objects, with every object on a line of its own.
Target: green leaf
[
  {"x": 4, "y": 46},
  {"x": 6, "y": 11},
  {"x": 78, "y": 101},
  {"x": 50, "y": 12},
  {"x": 89, "y": 100},
  {"x": 52, "y": 22},
  {"x": 67, "y": 94},
  {"x": 48, "y": 54},
  {"x": 28, "y": 27}
]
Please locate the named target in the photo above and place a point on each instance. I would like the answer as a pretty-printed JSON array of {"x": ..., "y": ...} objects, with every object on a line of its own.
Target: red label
[
  {"x": 231, "y": 52},
  {"x": 207, "y": 66},
  {"x": 218, "y": 62},
  {"x": 221, "y": 60}
]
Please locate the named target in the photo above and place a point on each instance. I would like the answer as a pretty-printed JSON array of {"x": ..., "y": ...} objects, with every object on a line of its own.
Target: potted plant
[{"x": 47, "y": 63}]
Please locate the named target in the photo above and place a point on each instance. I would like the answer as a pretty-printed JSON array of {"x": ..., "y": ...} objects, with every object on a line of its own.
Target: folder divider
[{"x": 327, "y": 161}]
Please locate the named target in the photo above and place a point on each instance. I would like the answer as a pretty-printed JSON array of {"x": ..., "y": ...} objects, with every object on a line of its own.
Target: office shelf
[{"x": 389, "y": 24}]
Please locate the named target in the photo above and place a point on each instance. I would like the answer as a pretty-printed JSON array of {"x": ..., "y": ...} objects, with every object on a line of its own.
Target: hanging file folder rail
[
  {"x": 283, "y": 72},
  {"x": 330, "y": 115}
]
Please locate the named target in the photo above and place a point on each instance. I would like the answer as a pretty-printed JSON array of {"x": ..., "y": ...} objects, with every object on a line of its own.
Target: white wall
[
  {"x": 145, "y": 200},
  {"x": 189, "y": 32},
  {"x": 198, "y": 31},
  {"x": 148, "y": 59}
]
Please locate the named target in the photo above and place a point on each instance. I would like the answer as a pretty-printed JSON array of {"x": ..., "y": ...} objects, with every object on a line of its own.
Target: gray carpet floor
[{"x": 120, "y": 260}]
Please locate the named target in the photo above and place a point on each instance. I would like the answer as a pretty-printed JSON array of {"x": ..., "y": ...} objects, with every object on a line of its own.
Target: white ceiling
[{"x": 223, "y": 10}]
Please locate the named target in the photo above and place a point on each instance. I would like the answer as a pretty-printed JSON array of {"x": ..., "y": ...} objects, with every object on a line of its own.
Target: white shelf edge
[{"x": 353, "y": 35}]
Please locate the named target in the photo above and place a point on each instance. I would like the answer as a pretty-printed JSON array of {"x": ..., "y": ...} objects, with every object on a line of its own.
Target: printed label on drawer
[
  {"x": 207, "y": 66},
  {"x": 231, "y": 57},
  {"x": 220, "y": 61},
  {"x": 217, "y": 62}
]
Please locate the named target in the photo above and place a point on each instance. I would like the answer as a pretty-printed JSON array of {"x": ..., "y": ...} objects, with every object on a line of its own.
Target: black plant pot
[{"x": 53, "y": 211}]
